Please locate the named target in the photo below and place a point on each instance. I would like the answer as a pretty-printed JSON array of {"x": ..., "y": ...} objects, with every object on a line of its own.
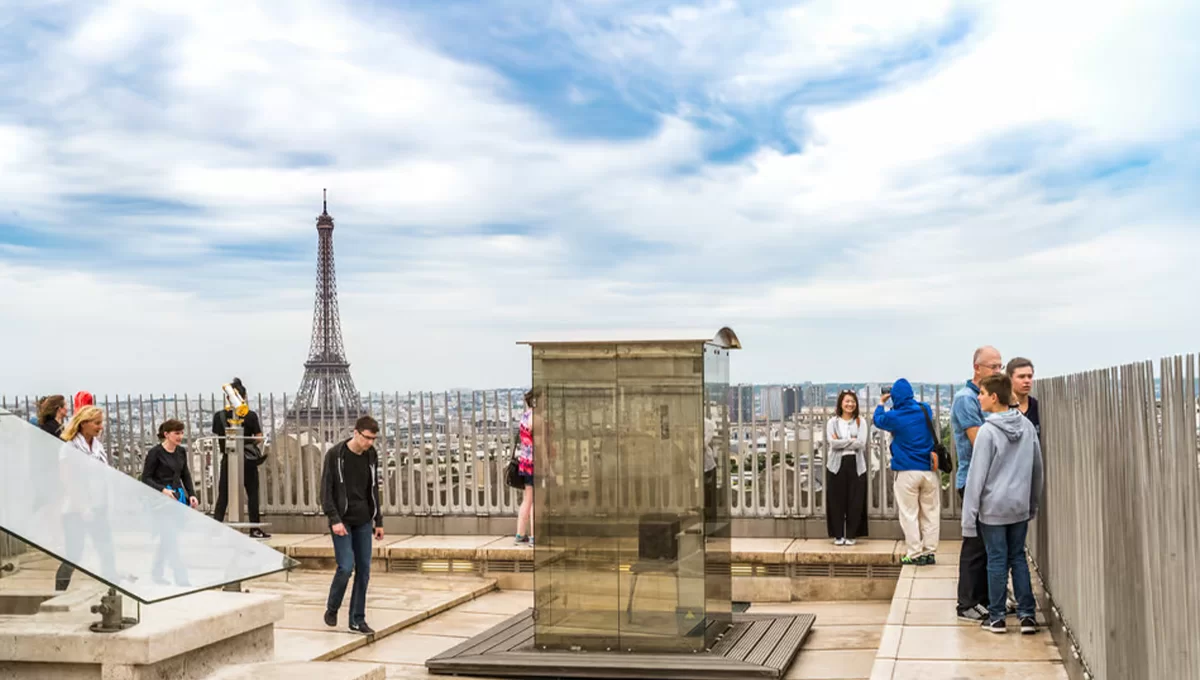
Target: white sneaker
[
  {"x": 850, "y": 541},
  {"x": 839, "y": 541}
]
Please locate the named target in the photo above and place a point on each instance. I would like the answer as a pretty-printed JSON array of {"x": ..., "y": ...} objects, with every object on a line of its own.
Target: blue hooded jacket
[{"x": 911, "y": 440}]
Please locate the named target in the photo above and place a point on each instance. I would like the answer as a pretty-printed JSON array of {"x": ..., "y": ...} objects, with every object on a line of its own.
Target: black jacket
[
  {"x": 164, "y": 469},
  {"x": 333, "y": 483},
  {"x": 51, "y": 426}
]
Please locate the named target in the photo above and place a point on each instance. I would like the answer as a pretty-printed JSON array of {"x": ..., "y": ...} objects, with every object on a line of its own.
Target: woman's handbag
[
  {"x": 512, "y": 472},
  {"x": 944, "y": 464}
]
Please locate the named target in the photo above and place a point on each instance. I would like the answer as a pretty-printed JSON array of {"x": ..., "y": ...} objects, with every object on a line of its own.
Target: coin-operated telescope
[{"x": 235, "y": 403}]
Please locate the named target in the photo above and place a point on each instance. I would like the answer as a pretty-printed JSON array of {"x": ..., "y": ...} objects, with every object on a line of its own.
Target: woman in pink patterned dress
[{"x": 525, "y": 467}]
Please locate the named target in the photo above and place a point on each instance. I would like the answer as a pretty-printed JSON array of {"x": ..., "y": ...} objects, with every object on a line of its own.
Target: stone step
[
  {"x": 301, "y": 670},
  {"x": 79, "y": 599}
]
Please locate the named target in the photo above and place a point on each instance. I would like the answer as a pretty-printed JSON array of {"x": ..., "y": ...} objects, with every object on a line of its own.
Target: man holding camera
[{"x": 918, "y": 485}]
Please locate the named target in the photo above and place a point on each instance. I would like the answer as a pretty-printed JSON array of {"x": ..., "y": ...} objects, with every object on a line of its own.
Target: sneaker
[
  {"x": 974, "y": 614},
  {"x": 258, "y": 533},
  {"x": 930, "y": 560},
  {"x": 851, "y": 541},
  {"x": 839, "y": 541},
  {"x": 330, "y": 618},
  {"x": 531, "y": 541},
  {"x": 1029, "y": 626},
  {"x": 998, "y": 626},
  {"x": 910, "y": 560},
  {"x": 362, "y": 628},
  {"x": 520, "y": 540}
]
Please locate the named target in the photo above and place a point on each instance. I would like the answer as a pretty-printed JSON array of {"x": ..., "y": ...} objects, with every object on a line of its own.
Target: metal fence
[
  {"x": 445, "y": 452},
  {"x": 1118, "y": 542}
]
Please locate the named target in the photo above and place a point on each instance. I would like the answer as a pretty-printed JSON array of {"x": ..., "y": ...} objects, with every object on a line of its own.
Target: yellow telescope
[{"x": 234, "y": 401}]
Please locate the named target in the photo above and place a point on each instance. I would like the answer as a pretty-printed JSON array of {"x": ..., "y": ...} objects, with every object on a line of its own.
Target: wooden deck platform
[{"x": 756, "y": 646}]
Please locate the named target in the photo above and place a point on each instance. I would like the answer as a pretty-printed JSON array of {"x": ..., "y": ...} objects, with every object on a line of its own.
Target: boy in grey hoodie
[{"x": 1003, "y": 487}]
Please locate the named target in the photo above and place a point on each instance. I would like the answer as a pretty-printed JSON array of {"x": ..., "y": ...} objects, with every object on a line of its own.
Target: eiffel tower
[{"x": 327, "y": 400}]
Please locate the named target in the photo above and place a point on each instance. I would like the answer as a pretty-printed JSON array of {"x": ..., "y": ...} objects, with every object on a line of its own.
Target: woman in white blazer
[{"x": 846, "y": 471}]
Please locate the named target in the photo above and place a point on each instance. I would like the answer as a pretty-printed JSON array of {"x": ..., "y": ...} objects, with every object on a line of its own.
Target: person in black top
[
  {"x": 1020, "y": 371},
  {"x": 166, "y": 468},
  {"x": 252, "y": 430},
  {"x": 350, "y": 480},
  {"x": 52, "y": 413}
]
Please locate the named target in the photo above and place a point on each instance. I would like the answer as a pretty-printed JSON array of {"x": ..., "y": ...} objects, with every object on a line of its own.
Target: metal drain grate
[
  {"x": 851, "y": 571},
  {"x": 509, "y": 566},
  {"x": 885, "y": 571},
  {"x": 774, "y": 570},
  {"x": 404, "y": 566},
  {"x": 813, "y": 570}
]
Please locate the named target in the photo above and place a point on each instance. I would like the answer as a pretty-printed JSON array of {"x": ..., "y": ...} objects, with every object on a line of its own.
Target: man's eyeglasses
[{"x": 368, "y": 437}]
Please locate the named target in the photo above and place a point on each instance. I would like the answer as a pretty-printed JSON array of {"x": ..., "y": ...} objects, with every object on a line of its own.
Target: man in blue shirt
[{"x": 966, "y": 417}]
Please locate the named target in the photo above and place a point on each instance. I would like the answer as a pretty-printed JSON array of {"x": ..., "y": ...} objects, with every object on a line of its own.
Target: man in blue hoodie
[
  {"x": 1001, "y": 497},
  {"x": 917, "y": 487}
]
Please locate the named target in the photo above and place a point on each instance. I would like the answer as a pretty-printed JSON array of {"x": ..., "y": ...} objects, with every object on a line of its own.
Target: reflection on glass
[
  {"x": 112, "y": 526},
  {"x": 630, "y": 516}
]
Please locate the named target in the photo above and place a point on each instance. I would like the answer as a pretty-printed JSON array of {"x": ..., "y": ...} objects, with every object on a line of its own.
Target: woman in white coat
[
  {"x": 846, "y": 471},
  {"x": 86, "y": 507}
]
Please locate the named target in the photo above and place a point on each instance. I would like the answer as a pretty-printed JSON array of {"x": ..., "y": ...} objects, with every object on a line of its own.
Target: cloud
[{"x": 858, "y": 193}]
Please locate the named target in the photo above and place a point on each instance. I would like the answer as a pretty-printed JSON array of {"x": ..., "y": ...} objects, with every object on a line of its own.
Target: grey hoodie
[{"x": 1005, "y": 479}]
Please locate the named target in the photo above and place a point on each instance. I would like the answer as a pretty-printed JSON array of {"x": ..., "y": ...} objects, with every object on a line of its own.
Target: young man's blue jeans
[
  {"x": 1006, "y": 550},
  {"x": 353, "y": 555}
]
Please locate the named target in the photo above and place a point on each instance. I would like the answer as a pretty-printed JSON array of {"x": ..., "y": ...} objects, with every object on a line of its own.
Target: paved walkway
[
  {"x": 915, "y": 635},
  {"x": 923, "y": 638}
]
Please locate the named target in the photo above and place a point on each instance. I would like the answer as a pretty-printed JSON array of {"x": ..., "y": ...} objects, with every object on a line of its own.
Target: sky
[{"x": 862, "y": 191}]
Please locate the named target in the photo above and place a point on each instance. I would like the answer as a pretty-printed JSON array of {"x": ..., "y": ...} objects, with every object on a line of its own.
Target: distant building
[
  {"x": 741, "y": 403},
  {"x": 793, "y": 401}
]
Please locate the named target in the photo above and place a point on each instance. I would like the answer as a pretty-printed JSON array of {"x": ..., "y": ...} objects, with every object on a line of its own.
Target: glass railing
[{"x": 114, "y": 528}]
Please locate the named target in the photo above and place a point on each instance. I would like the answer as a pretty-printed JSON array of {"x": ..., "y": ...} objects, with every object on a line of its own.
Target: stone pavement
[
  {"x": 914, "y": 635},
  {"x": 394, "y": 602},
  {"x": 923, "y": 639}
]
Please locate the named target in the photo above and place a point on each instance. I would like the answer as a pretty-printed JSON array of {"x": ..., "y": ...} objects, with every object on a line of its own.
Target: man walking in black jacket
[{"x": 350, "y": 480}]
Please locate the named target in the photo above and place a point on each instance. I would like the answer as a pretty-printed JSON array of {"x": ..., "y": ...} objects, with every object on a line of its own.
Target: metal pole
[{"x": 235, "y": 447}]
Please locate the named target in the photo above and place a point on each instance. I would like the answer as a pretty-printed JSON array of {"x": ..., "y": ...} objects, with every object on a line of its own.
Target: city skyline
[{"x": 860, "y": 193}]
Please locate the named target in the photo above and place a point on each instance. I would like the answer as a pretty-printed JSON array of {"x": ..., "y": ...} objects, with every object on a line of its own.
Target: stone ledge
[
  {"x": 167, "y": 629},
  {"x": 301, "y": 670},
  {"x": 501, "y": 548},
  {"x": 823, "y": 551}
]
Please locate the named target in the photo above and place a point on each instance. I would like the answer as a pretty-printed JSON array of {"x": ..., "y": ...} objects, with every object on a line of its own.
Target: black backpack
[{"x": 944, "y": 463}]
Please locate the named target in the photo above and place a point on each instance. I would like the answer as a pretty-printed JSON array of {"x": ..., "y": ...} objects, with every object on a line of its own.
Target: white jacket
[{"x": 85, "y": 488}]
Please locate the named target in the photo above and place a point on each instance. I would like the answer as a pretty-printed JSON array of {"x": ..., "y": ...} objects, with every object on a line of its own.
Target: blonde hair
[{"x": 87, "y": 414}]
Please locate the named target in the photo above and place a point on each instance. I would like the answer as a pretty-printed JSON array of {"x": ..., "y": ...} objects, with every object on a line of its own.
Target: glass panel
[
  {"x": 575, "y": 473},
  {"x": 662, "y": 522},
  {"x": 112, "y": 526}
]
